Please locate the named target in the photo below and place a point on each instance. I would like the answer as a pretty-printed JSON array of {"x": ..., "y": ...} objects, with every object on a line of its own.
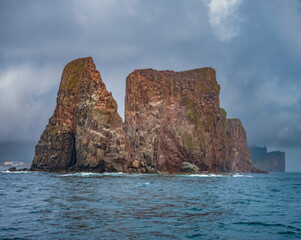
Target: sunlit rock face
[
  {"x": 175, "y": 117},
  {"x": 85, "y": 131}
]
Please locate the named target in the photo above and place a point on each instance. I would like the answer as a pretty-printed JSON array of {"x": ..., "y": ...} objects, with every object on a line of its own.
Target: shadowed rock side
[
  {"x": 237, "y": 148},
  {"x": 268, "y": 161},
  {"x": 85, "y": 131},
  {"x": 174, "y": 117}
]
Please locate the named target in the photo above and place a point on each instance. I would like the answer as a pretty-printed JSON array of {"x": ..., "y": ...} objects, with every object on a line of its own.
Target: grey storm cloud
[{"x": 254, "y": 46}]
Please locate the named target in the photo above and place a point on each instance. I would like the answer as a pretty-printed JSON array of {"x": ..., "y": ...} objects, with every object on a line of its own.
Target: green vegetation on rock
[
  {"x": 72, "y": 74},
  {"x": 198, "y": 139}
]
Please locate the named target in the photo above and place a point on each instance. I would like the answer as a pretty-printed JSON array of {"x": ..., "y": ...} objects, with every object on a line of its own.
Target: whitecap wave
[
  {"x": 212, "y": 175},
  {"x": 241, "y": 175},
  {"x": 113, "y": 173},
  {"x": 90, "y": 174},
  {"x": 201, "y": 175},
  {"x": 6, "y": 171}
]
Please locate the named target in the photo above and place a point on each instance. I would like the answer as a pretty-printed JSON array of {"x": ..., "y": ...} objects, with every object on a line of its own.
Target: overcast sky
[{"x": 254, "y": 45}]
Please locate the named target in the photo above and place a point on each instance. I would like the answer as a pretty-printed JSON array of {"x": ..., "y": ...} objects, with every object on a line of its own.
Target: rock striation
[
  {"x": 268, "y": 161},
  {"x": 173, "y": 123},
  {"x": 85, "y": 131}
]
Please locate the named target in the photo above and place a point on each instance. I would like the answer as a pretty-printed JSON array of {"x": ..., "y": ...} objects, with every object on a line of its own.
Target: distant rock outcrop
[
  {"x": 268, "y": 161},
  {"x": 85, "y": 131},
  {"x": 173, "y": 123}
]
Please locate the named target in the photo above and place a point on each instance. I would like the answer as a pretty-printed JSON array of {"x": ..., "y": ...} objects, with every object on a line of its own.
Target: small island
[
  {"x": 268, "y": 161},
  {"x": 173, "y": 123}
]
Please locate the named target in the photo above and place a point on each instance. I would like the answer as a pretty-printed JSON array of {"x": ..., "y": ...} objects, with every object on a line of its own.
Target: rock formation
[
  {"x": 85, "y": 131},
  {"x": 189, "y": 168},
  {"x": 174, "y": 117},
  {"x": 173, "y": 123},
  {"x": 237, "y": 148},
  {"x": 268, "y": 161}
]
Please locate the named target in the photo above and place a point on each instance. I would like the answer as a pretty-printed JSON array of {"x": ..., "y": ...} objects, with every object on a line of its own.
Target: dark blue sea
[{"x": 123, "y": 206}]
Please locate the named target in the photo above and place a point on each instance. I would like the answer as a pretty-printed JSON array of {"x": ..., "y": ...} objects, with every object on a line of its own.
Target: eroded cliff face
[
  {"x": 174, "y": 117},
  {"x": 238, "y": 152},
  {"x": 173, "y": 123},
  {"x": 85, "y": 131},
  {"x": 268, "y": 161}
]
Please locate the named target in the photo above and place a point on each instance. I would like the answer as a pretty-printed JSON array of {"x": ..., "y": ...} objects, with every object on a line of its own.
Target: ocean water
[{"x": 122, "y": 206}]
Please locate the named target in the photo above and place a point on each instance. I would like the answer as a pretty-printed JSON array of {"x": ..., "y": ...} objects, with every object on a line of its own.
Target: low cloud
[
  {"x": 26, "y": 97},
  {"x": 224, "y": 18}
]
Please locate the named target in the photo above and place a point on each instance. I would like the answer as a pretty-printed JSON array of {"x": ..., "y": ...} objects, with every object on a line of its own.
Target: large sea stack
[
  {"x": 175, "y": 117},
  {"x": 85, "y": 132},
  {"x": 173, "y": 123}
]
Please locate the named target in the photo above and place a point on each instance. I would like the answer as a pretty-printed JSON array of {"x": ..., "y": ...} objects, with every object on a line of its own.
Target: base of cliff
[{"x": 153, "y": 171}]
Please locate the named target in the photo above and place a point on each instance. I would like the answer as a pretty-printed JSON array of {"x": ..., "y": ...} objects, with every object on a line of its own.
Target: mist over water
[{"x": 121, "y": 206}]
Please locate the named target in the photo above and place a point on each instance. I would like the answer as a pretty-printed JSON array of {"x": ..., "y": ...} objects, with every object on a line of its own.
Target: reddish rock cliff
[
  {"x": 173, "y": 123},
  {"x": 85, "y": 131},
  {"x": 175, "y": 117},
  {"x": 237, "y": 148}
]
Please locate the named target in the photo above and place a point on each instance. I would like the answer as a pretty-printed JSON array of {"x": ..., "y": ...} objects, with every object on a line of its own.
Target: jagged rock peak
[{"x": 85, "y": 131}]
